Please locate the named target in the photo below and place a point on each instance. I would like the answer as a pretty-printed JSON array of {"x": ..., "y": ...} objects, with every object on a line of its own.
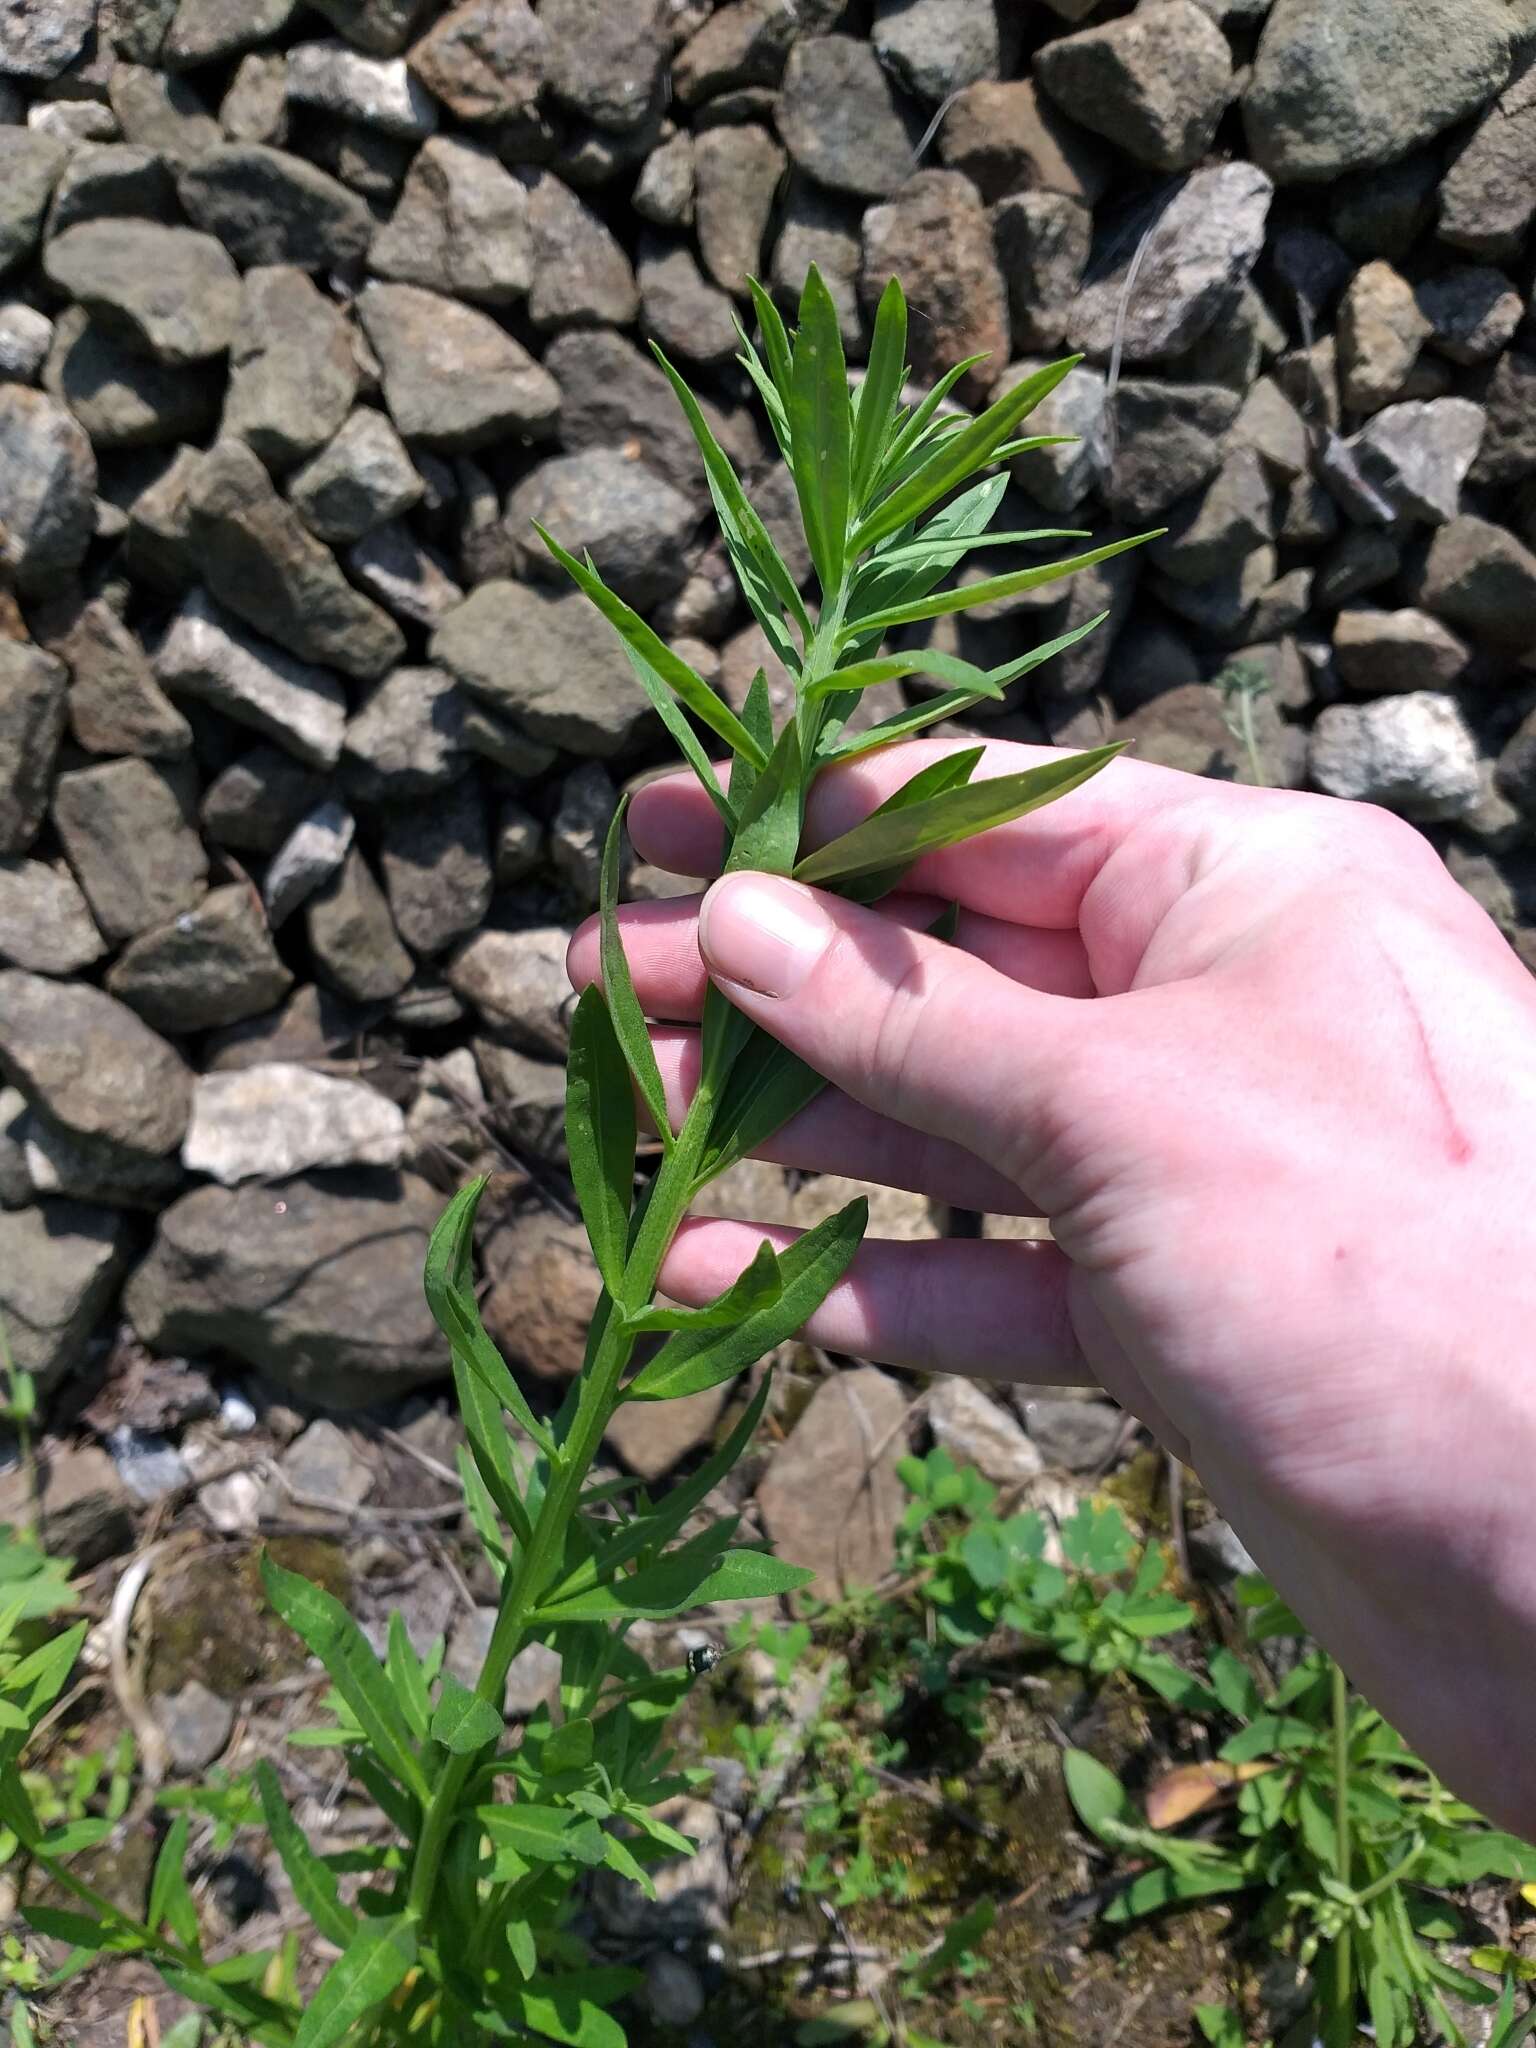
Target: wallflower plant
[{"x": 459, "y": 1932}]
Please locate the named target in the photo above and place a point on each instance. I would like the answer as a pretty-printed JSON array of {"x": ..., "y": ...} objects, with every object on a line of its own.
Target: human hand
[{"x": 1271, "y": 1076}]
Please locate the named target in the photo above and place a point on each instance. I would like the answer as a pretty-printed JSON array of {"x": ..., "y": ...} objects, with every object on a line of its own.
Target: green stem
[{"x": 1343, "y": 1955}]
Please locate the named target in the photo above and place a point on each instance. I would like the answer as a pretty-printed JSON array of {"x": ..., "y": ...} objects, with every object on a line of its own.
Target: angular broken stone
[
  {"x": 1155, "y": 83},
  {"x": 115, "y": 704},
  {"x": 47, "y": 490},
  {"x": 32, "y": 701},
  {"x": 436, "y": 862},
  {"x": 452, "y": 377},
  {"x": 128, "y": 833},
  {"x": 1472, "y": 312},
  {"x": 1480, "y": 577},
  {"x": 1419, "y": 454},
  {"x": 1042, "y": 248},
  {"x": 1507, "y": 395},
  {"x": 380, "y": 26},
  {"x": 614, "y": 395},
  {"x": 61, "y": 1162},
  {"x": 737, "y": 176},
  {"x": 936, "y": 237},
  {"x": 407, "y": 740},
  {"x": 29, "y": 169},
  {"x": 126, "y": 400},
  {"x": 978, "y": 1431},
  {"x": 268, "y": 206},
  {"x": 157, "y": 546},
  {"x": 211, "y": 966},
  {"x": 25, "y": 335},
  {"x": 1381, "y": 653},
  {"x": 161, "y": 113},
  {"x": 934, "y": 48},
  {"x": 40, "y": 39},
  {"x": 206, "y": 654},
  {"x": 843, "y": 120},
  {"x": 461, "y": 226},
  {"x": 60, "y": 1264},
  {"x": 313, "y": 851},
  {"x": 1488, "y": 195},
  {"x": 601, "y": 501},
  {"x": 516, "y": 981},
  {"x": 570, "y": 685},
  {"x": 379, "y": 92},
  {"x": 581, "y": 275},
  {"x": 118, "y": 180},
  {"x": 258, "y": 799},
  {"x": 255, "y": 108},
  {"x": 91, "y": 1064},
  {"x": 1381, "y": 330},
  {"x": 679, "y": 308},
  {"x": 1411, "y": 753},
  {"x": 405, "y": 576},
  {"x": 353, "y": 938},
  {"x": 45, "y": 923},
  {"x": 292, "y": 372},
  {"x": 485, "y": 60},
  {"x": 319, "y": 1290},
  {"x": 362, "y": 477},
  {"x": 825, "y": 229},
  {"x": 1060, "y": 478},
  {"x": 272, "y": 1121},
  {"x": 1168, "y": 441},
  {"x": 262, "y": 562},
  {"x": 203, "y": 31},
  {"x": 601, "y": 60},
  {"x": 1209, "y": 535},
  {"x": 831, "y": 1498},
  {"x": 169, "y": 291},
  {"x": 664, "y": 191},
  {"x": 1007, "y": 138}
]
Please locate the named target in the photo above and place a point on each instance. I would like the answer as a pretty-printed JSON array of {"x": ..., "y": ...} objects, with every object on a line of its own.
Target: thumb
[{"x": 916, "y": 1029}]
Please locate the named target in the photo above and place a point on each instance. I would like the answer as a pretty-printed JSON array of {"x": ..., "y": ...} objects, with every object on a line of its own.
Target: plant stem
[{"x": 1344, "y": 1948}]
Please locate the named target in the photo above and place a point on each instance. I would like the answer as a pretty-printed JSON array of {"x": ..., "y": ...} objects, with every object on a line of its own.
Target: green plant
[
  {"x": 1242, "y": 684},
  {"x": 1347, "y": 1835},
  {"x": 460, "y": 1930}
]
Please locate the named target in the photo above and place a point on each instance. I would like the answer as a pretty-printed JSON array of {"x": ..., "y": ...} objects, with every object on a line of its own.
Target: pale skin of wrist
[{"x": 1272, "y": 1077}]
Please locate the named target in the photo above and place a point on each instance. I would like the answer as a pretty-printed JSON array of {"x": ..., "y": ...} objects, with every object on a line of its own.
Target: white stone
[
  {"x": 1413, "y": 754},
  {"x": 268, "y": 1122},
  {"x": 976, "y": 1430},
  {"x": 313, "y": 851},
  {"x": 25, "y": 337},
  {"x": 300, "y": 706},
  {"x": 377, "y": 91},
  {"x": 231, "y": 1504}
]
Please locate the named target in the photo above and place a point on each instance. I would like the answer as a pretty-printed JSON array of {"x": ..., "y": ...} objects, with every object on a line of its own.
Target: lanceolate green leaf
[
  {"x": 809, "y": 1269},
  {"x": 543, "y": 1834},
  {"x": 755, "y": 1288},
  {"x": 880, "y": 390},
  {"x": 623, "y": 1004},
  {"x": 958, "y": 456},
  {"x": 677, "y": 1584},
  {"x": 775, "y": 340},
  {"x": 335, "y": 1638},
  {"x": 375, "y": 1964},
  {"x": 899, "y": 837},
  {"x": 170, "y": 1901},
  {"x": 685, "y": 683},
  {"x": 768, "y": 1086},
  {"x": 600, "y": 1135},
  {"x": 314, "y": 1885},
  {"x": 683, "y": 735},
  {"x": 950, "y": 771},
  {"x": 923, "y": 424},
  {"x": 450, "y": 1292},
  {"x": 991, "y": 587},
  {"x": 820, "y": 429}
]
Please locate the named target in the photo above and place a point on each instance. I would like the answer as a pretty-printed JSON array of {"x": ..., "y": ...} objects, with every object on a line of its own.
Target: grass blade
[
  {"x": 820, "y": 421},
  {"x": 600, "y": 1135},
  {"x": 623, "y": 1004},
  {"x": 946, "y": 601},
  {"x": 883, "y": 379},
  {"x": 897, "y": 838}
]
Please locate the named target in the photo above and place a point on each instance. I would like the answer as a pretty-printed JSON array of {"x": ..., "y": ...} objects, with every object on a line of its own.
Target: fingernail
[{"x": 762, "y": 931}]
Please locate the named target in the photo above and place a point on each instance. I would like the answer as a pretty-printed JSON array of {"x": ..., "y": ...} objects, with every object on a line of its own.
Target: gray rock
[
  {"x": 353, "y": 938},
  {"x": 1270, "y": 425},
  {"x": 1515, "y": 772},
  {"x": 380, "y": 26},
  {"x": 825, "y": 229},
  {"x": 1412, "y": 753},
  {"x": 127, "y": 830},
  {"x": 258, "y": 799},
  {"x": 937, "y": 238},
  {"x": 436, "y": 860},
  {"x": 461, "y": 226},
  {"x": 114, "y": 180},
  {"x": 517, "y": 982},
  {"x": 1489, "y": 191},
  {"x": 1507, "y": 394},
  {"x": 485, "y": 60},
  {"x": 161, "y": 113},
  {"x": 47, "y": 490},
  {"x": 603, "y": 61},
  {"x": 664, "y": 190},
  {"x": 1380, "y": 653},
  {"x": 692, "y": 319},
  {"x": 378, "y": 92},
  {"x": 738, "y": 173},
  {"x": 601, "y": 501},
  {"x": 157, "y": 546},
  {"x": 42, "y": 38},
  {"x": 29, "y": 169},
  {"x": 24, "y": 338},
  {"x": 263, "y": 563},
  {"x": 498, "y": 741},
  {"x": 125, "y": 400},
  {"x": 527, "y": 1098},
  {"x": 1219, "y": 1554},
  {"x": 32, "y": 705},
  {"x": 571, "y": 685},
  {"x": 1043, "y": 241},
  {"x": 1007, "y": 138},
  {"x": 360, "y": 479},
  {"x": 822, "y": 1502},
  {"x": 1480, "y": 577},
  {"x": 1420, "y": 454},
  {"x": 1155, "y": 82},
  {"x": 204, "y": 31},
  {"x": 936, "y": 47},
  {"x": 115, "y": 704},
  {"x": 205, "y": 654},
  {"x": 842, "y": 119},
  {"x": 320, "y": 1291},
  {"x": 148, "y": 1464},
  {"x": 519, "y": 837},
  {"x": 16, "y": 1189},
  {"x": 579, "y": 830},
  {"x": 91, "y": 1064},
  {"x": 742, "y": 44},
  {"x": 72, "y": 121},
  {"x": 322, "y": 1464},
  {"x": 1078, "y": 1436},
  {"x": 452, "y": 377},
  {"x": 168, "y": 291},
  {"x": 1339, "y": 85},
  {"x": 313, "y": 851},
  {"x": 1363, "y": 560},
  {"x": 60, "y": 1264},
  {"x": 211, "y": 966},
  {"x": 1381, "y": 330},
  {"x": 45, "y": 924},
  {"x": 978, "y": 1431},
  {"x": 613, "y": 396},
  {"x": 267, "y": 206},
  {"x": 312, "y": 1029},
  {"x": 1210, "y": 535},
  {"x": 293, "y": 374},
  {"x": 255, "y": 108},
  {"x": 407, "y": 578},
  {"x": 1186, "y": 728},
  {"x": 61, "y": 1162},
  {"x": 674, "y": 1993},
  {"x": 1168, "y": 441},
  {"x": 1223, "y": 607},
  {"x": 195, "y": 1722},
  {"x": 581, "y": 275},
  {"x": 407, "y": 740},
  {"x": 1060, "y": 478},
  {"x": 270, "y": 1122},
  {"x": 1190, "y": 270},
  {"x": 1472, "y": 312}
]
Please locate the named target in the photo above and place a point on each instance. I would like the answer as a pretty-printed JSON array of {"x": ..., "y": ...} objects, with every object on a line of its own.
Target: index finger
[{"x": 1037, "y": 868}]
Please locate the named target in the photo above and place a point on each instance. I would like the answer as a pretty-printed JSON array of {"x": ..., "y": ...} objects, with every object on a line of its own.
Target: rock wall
[{"x": 306, "y": 312}]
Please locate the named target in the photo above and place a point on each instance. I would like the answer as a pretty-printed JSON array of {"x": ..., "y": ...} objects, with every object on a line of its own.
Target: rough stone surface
[
  {"x": 1420, "y": 454},
  {"x": 91, "y": 1064},
  {"x": 267, "y": 206},
  {"x": 1339, "y": 85},
  {"x": 1379, "y": 653},
  {"x": 45, "y": 923},
  {"x": 831, "y": 1499},
  {"x": 196, "y": 1725},
  {"x": 1381, "y": 330},
  {"x": 47, "y": 483},
  {"x": 1489, "y": 193},
  {"x": 1168, "y": 442},
  {"x": 680, "y": 309},
  {"x": 544, "y": 1289},
  {"x": 293, "y": 375},
  {"x": 206, "y": 654},
  {"x": 271, "y": 1122},
  {"x": 32, "y": 700},
  {"x": 485, "y": 60},
  {"x": 210, "y": 966},
  {"x": 1007, "y": 138},
  {"x": 976, "y": 1430},
  {"x": 353, "y": 938},
  {"x": 379, "y": 92},
  {"x": 1155, "y": 82},
  {"x": 167, "y": 291},
  {"x": 1472, "y": 311},
  {"x": 517, "y": 982},
  {"x": 737, "y": 175},
  {"x": 936, "y": 47},
  {"x": 452, "y": 377},
  {"x": 25, "y": 335},
  {"x": 601, "y": 501},
  {"x": 362, "y": 477},
  {"x": 29, "y": 169},
  {"x": 842, "y": 119},
  {"x": 571, "y": 684},
  {"x": 1074, "y": 1436},
  {"x": 115, "y": 704},
  {"x": 1412, "y": 753},
  {"x": 653, "y": 1436},
  {"x": 936, "y": 237},
  {"x": 1481, "y": 578},
  {"x": 320, "y": 1290},
  {"x": 311, "y": 854},
  {"x": 1507, "y": 395},
  {"x": 125, "y": 400},
  {"x": 581, "y": 275},
  {"x": 407, "y": 739},
  {"x": 461, "y": 226},
  {"x": 127, "y": 829},
  {"x": 436, "y": 862},
  {"x": 60, "y": 1264}
]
